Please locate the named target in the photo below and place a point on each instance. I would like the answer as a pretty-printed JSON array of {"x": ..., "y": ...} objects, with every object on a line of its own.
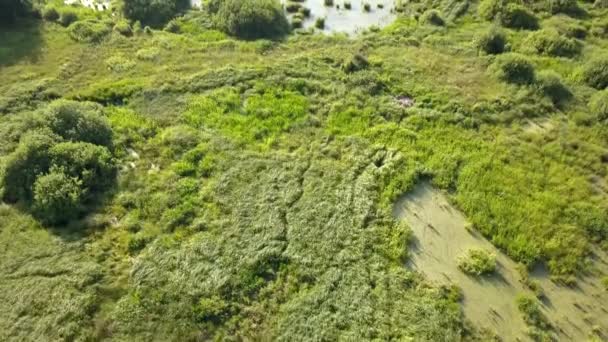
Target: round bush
[
  {"x": 67, "y": 17},
  {"x": 490, "y": 9},
  {"x": 432, "y": 17},
  {"x": 78, "y": 121},
  {"x": 88, "y": 31},
  {"x": 598, "y": 105},
  {"x": 49, "y": 13},
  {"x": 172, "y": 27},
  {"x": 514, "y": 68},
  {"x": 477, "y": 262},
  {"x": 154, "y": 13},
  {"x": 92, "y": 164},
  {"x": 563, "y": 6},
  {"x": 518, "y": 17},
  {"x": 252, "y": 19},
  {"x": 123, "y": 27},
  {"x": 550, "y": 84},
  {"x": 491, "y": 42},
  {"x": 57, "y": 197},
  {"x": 551, "y": 43},
  {"x": 595, "y": 73}
]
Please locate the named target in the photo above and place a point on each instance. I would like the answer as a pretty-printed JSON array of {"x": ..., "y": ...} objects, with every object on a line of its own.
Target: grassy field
[{"x": 256, "y": 178}]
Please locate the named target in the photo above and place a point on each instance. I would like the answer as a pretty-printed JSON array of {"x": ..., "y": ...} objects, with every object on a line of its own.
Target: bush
[
  {"x": 154, "y": 13},
  {"x": 123, "y": 27},
  {"x": 598, "y": 105},
  {"x": 492, "y": 41},
  {"x": 356, "y": 63},
  {"x": 49, "y": 13},
  {"x": 564, "y": 6},
  {"x": 551, "y": 43},
  {"x": 432, "y": 17},
  {"x": 531, "y": 312},
  {"x": 172, "y": 27},
  {"x": 595, "y": 73},
  {"x": 57, "y": 197},
  {"x": 477, "y": 262},
  {"x": 67, "y": 17},
  {"x": 320, "y": 23},
  {"x": 518, "y": 17},
  {"x": 514, "y": 68},
  {"x": 550, "y": 84},
  {"x": 252, "y": 19},
  {"x": 92, "y": 164},
  {"x": 88, "y": 31},
  {"x": 78, "y": 121}
]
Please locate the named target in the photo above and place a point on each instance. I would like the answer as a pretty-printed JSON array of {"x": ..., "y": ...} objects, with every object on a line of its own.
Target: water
[
  {"x": 489, "y": 301},
  {"x": 349, "y": 21}
]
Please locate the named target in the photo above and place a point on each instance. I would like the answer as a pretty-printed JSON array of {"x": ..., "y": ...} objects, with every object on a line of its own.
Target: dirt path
[{"x": 440, "y": 236}]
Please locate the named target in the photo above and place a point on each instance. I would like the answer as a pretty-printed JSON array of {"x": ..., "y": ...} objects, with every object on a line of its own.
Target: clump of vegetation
[
  {"x": 50, "y": 13},
  {"x": 251, "y": 19},
  {"x": 89, "y": 31},
  {"x": 367, "y": 7},
  {"x": 595, "y": 73},
  {"x": 124, "y": 28},
  {"x": 320, "y": 23},
  {"x": 57, "y": 197},
  {"x": 509, "y": 14},
  {"x": 172, "y": 26},
  {"x": 67, "y": 17},
  {"x": 514, "y": 68},
  {"x": 551, "y": 85},
  {"x": 432, "y": 17},
  {"x": 552, "y": 43},
  {"x": 477, "y": 262},
  {"x": 598, "y": 105},
  {"x": 564, "y": 6},
  {"x": 355, "y": 63},
  {"x": 328, "y": 3},
  {"x": 492, "y": 41},
  {"x": 532, "y": 314},
  {"x": 154, "y": 13},
  {"x": 348, "y": 5}
]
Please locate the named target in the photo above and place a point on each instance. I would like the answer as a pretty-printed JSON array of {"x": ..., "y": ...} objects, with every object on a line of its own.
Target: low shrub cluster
[
  {"x": 598, "y": 105},
  {"x": 595, "y": 73},
  {"x": 509, "y": 14},
  {"x": 432, "y": 17},
  {"x": 252, "y": 19},
  {"x": 89, "y": 31},
  {"x": 514, "y": 68},
  {"x": 492, "y": 41},
  {"x": 477, "y": 262},
  {"x": 552, "y": 43},
  {"x": 551, "y": 85}
]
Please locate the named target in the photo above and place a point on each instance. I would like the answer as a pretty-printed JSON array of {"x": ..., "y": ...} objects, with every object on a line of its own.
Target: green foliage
[
  {"x": 564, "y": 6},
  {"x": 252, "y": 19},
  {"x": 531, "y": 312},
  {"x": 432, "y": 17},
  {"x": 172, "y": 26},
  {"x": 124, "y": 28},
  {"x": 12, "y": 9},
  {"x": 595, "y": 73},
  {"x": 551, "y": 85},
  {"x": 93, "y": 165},
  {"x": 78, "y": 121},
  {"x": 320, "y": 23},
  {"x": 355, "y": 63},
  {"x": 50, "y": 13},
  {"x": 513, "y": 68},
  {"x": 477, "y": 262},
  {"x": 154, "y": 13},
  {"x": 598, "y": 105},
  {"x": 67, "y": 16},
  {"x": 57, "y": 197},
  {"x": 509, "y": 14},
  {"x": 552, "y": 43},
  {"x": 89, "y": 31},
  {"x": 492, "y": 41}
]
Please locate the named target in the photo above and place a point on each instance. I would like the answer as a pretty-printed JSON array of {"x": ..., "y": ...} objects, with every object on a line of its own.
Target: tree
[
  {"x": 252, "y": 19},
  {"x": 155, "y": 13},
  {"x": 57, "y": 197}
]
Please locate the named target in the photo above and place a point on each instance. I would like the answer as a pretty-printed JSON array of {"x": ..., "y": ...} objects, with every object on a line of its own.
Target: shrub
[
  {"x": 57, "y": 197},
  {"x": 477, "y": 262},
  {"x": 531, "y": 312},
  {"x": 49, "y": 13},
  {"x": 598, "y": 105},
  {"x": 78, "y": 121},
  {"x": 432, "y": 17},
  {"x": 518, "y": 17},
  {"x": 92, "y": 164},
  {"x": 320, "y": 23},
  {"x": 172, "y": 27},
  {"x": 550, "y": 84},
  {"x": 123, "y": 27},
  {"x": 252, "y": 19},
  {"x": 356, "y": 63},
  {"x": 88, "y": 31},
  {"x": 492, "y": 41},
  {"x": 595, "y": 73},
  {"x": 328, "y": 3},
  {"x": 551, "y": 43},
  {"x": 348, "y": 5},
  {"x": 147, "y": 54},
  {"x": 490, "y": 9},
  {"x": 20, "y": 169},
  {"x": 292, "y": 7},
  {"x": 296, "y": 23},
  {"x": 148, "y": 30},
  {"x": 564, "y": 6},
  {"x": 154, "y": 13},
  {"x": 67, "y": 17},
  {"x": 367, "y": 7},
  {"x": 514, "y": 68}
]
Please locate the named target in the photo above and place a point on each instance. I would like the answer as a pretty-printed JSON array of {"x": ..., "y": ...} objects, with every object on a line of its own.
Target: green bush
[
  {"x": 49, "y": 13},
  {"x": 432, "y": 17},
  {"x": 92, "y": 164},
  {"x": 491, "y": 9},
  {"x": 595, "y": 73},
  {"x": 172, "y": 27},
  {"x": 550, "y": 84},
  {"x": 530, "y": 309},
  {"x": 252, "y": 19},
  {"x": 57, "y": 197},
  {"x": 154, "y": 13},
  {"x": 492, "y": 41},
  {"x": 89, "y": 31},
  {"x": 78, "y": 121},
  {"x": 598, "y": 105},
  {"x": 123, "y": 27},
  {"x": 477, "y": 262},
  {"x": 564, "y": 6},
  {"x": 514, "y": 68},
  {"x": 67, "y": 17},
  {"x": 551, "y": 43},
  {"x": 518, "y": 17},
  {"x": 320, "y": 23},
  {"x": 355, "y": 63}
]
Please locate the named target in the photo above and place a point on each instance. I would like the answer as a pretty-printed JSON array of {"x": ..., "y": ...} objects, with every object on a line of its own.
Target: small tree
[
  {"x": 57, "y": 197},
  {"x": 252, "y": 19}
]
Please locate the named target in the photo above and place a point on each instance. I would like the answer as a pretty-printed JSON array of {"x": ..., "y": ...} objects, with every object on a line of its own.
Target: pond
[
  {"x": 351, "y": 21},
  {"x": 440, "y": 236}
]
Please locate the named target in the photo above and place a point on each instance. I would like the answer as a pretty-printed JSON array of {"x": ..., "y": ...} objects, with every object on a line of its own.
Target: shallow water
[
  {"x": 489, "y": 301},
  {"x": 349, "y": 21}
]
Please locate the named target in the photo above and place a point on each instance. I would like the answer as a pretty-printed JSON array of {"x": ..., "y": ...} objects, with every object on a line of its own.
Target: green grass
[{"x": 257, "y": 178}]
